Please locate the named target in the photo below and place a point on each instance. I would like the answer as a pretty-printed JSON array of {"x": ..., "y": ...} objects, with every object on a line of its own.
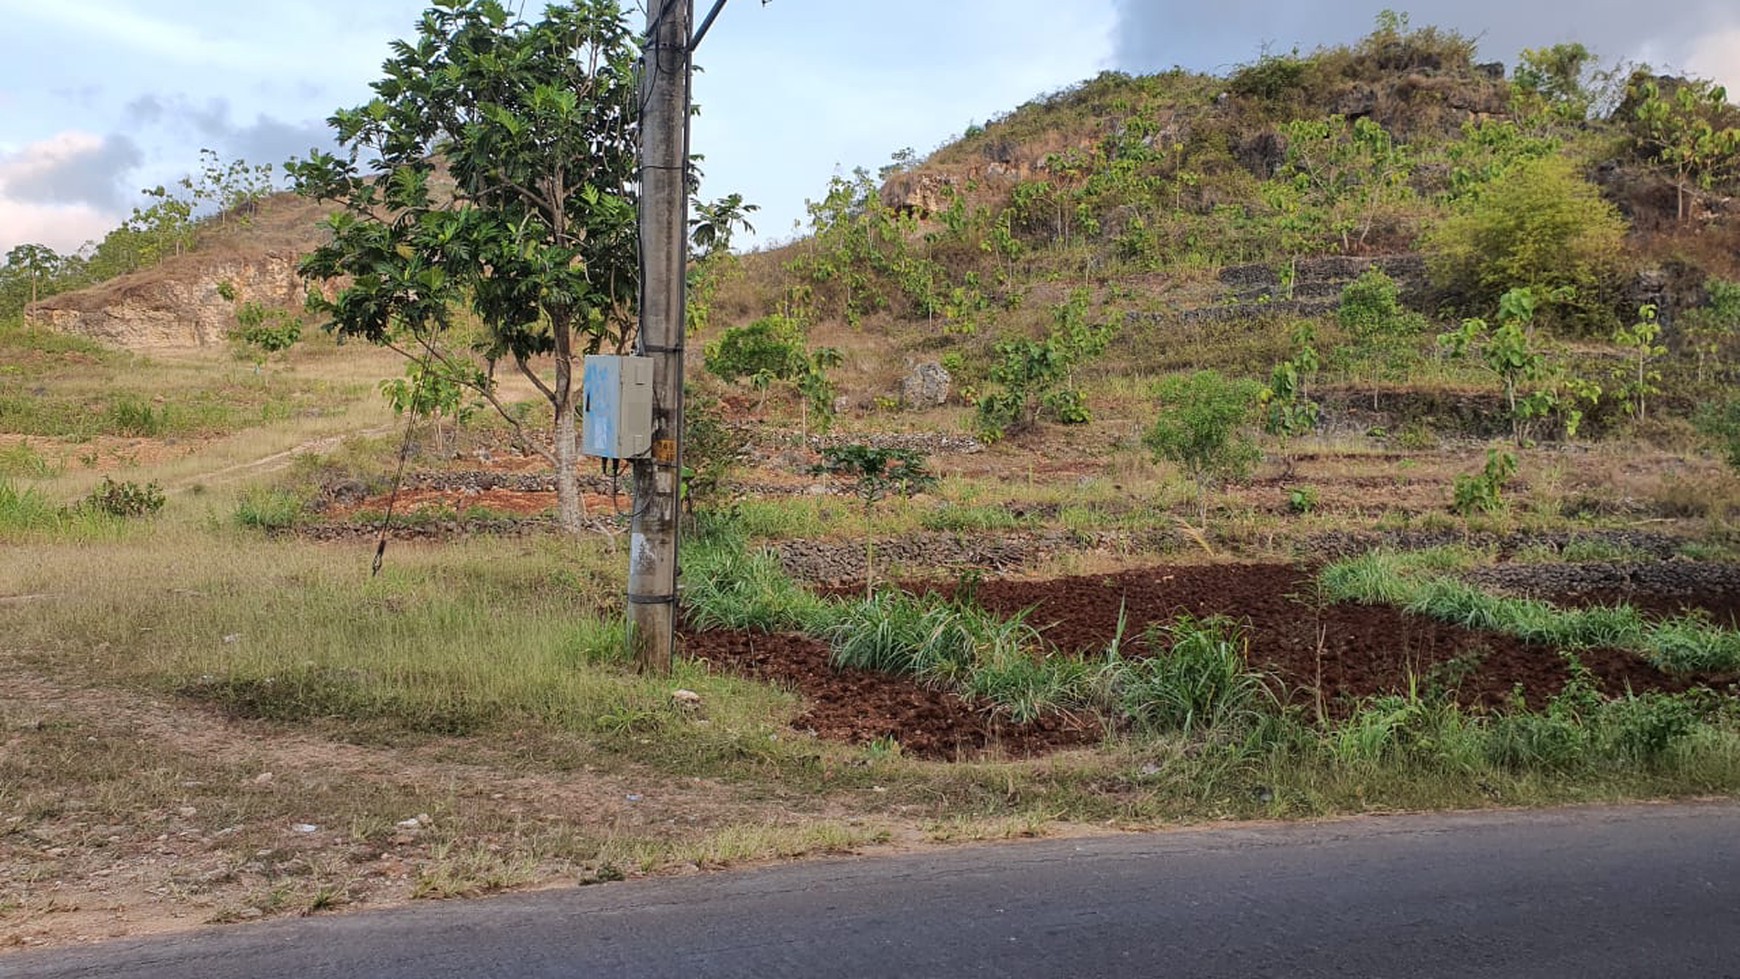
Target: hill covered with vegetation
[{"x": 1339, "y": 211}]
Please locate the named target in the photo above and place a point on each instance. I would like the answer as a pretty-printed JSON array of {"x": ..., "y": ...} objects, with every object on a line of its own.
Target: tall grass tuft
[
  {"x": 726, "y": 586},
  {"x": 1684, "y": 644},
  {"x": 1198, "y": 679}
]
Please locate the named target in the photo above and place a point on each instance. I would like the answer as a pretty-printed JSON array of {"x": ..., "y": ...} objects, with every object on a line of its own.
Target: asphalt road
[{"x": 1644, "y": 891}]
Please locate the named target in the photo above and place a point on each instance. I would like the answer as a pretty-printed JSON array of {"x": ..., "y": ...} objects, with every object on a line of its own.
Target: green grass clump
[
  {"x": 1197, "y": 679},
  {"x": 726, "y": 586},
  {"x": 20, "y": 460},
  {"x": 268, "y": 509},
  {"x": 1683, "y": 644}
]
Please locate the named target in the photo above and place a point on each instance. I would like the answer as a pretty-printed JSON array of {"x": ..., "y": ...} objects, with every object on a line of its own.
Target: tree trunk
[{"x": 570, "y": 511}]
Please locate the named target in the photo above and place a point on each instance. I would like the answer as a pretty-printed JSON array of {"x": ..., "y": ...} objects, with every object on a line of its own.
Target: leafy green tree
[
  {"x": 35, "y": 264},
  {"x": 265, "y": 330},
  {"x": 1535, "y": 385},
  {"x": 1558, "y": 79},
  {"x": 1383, "y": 334},
  {"x": 434, "y": 389},
  {"x": 714, "y": 224},
  {"x": 503, "y": 175},
  {"x": 1686, "y": 132},
  {"x": 1638, "y": 378},
  {"x": 1204, "y": 427},
  {"x": 232, "y": 187},
  {"x": 874, "y": 473},
  {"x": 771, "y": 346},
  {"x": 1038, "y": 376},
  {"x": 1539, "y": 225},
  {"x": 1348, "y": 172}
]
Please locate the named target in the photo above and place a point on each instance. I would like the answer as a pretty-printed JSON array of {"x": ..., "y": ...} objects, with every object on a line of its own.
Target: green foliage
[
  {"x": 264, "y": 330},
  {"x": 1491, "y": 149},
  {"x": 134, "y": 417},
  {"x": 268, "y": 509},
  {"x": 125, "y": 499},
  {"x": 1536, "y": 385},
  {"x": 1198, "y": 678},
  {"x": 1720, "y": 423},
  {"x": 25, "y": 509},
  {"x": 1203, "y": 427},
  {"x": 1037, "y": 377},
  {"x": 1712, "y": 330},
  {"x": 438, "y": 389},
  {"x": 876, "y": 472},
  {"x": 1688, "y": 131},
  {"x": 504, "y": 177},
  {"x": 772, "y": 347},
  {"x": 1639, "y": 379},
  {"x": 1288, "y": 411},
  {"x": 1271, "y": 77},
  {"x": 1302, "y": 500},
  {"x": 727, "y": 586},
  {"x": 1688, "y": 643},
  {"x": 715, "y": 223},
  {"x": 1539, "y": 225},
  {"x": 711, "y": 448},
  {"x": 1484, "y": 493},
  {"x": 1557, "y": 79},
  {"x": 1383, "y": 333},
  {"x": 1345, "y": 174}
]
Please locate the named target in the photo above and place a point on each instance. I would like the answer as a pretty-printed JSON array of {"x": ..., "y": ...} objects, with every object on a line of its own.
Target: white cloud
[
  {"x": 1717, "y": 56},
  {"x": 63, "y": 191},
  {"x": 63, "y": 229},
  {"x": 70, "y": 168}
]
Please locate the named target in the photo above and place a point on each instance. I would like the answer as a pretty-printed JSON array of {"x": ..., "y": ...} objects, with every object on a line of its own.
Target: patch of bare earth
[{"x": 126, "y": 815}]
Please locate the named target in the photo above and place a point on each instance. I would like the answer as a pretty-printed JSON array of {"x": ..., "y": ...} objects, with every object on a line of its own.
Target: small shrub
[
  {"x": 1204, "y": 427},
  {"x": 130, "y": 417},
  {"x": 1302, "y": 500},
  {"x": 1539, "y": 225},
  {"x": 125, "y": 499},
  {"x": 1484, "y": 493}
]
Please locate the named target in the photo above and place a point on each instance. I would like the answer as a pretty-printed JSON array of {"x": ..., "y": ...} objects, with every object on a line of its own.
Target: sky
[{"x": 102, "y": 98}]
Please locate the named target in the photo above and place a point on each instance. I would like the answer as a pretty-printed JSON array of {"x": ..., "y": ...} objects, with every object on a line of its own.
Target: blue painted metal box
[{"x": 616, "y": 417}]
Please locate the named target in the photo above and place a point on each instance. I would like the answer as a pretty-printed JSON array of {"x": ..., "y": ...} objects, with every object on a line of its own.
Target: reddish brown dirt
[
  {"x": 1723, "y": 607},
  {"x": 860, "y": 706},
  {"x": 1357, "y": 650}
]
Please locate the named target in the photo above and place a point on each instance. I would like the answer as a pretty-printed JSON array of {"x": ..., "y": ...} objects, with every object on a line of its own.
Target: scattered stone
[
  {"x": 634, "y": 797},
  {"x": 687, "y": 699},
  {"x": 187, "y": 812},
  {"x": 232, "y": 639},
  {"x": 305, "y": 828},
  {"x": 264, "y": 778}
]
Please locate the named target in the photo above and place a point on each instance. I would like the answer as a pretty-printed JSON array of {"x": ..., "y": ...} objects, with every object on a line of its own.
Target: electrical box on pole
[{"x": 616, "y": 421}]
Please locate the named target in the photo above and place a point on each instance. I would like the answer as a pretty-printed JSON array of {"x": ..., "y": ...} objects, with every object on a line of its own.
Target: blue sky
[{"x": 99, "y": 98}]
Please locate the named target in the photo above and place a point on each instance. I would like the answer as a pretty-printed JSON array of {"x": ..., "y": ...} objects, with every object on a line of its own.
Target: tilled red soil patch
[
  {"x": 1351, "y": 651},
  {"x": 860, "y": 706}
]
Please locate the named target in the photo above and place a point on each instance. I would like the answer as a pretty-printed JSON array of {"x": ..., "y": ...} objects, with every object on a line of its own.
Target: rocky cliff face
[{"x": 177, "y": 305}]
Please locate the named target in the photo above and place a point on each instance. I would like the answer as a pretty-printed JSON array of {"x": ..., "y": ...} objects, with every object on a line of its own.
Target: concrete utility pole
[{"x": 664, "y": 235}]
